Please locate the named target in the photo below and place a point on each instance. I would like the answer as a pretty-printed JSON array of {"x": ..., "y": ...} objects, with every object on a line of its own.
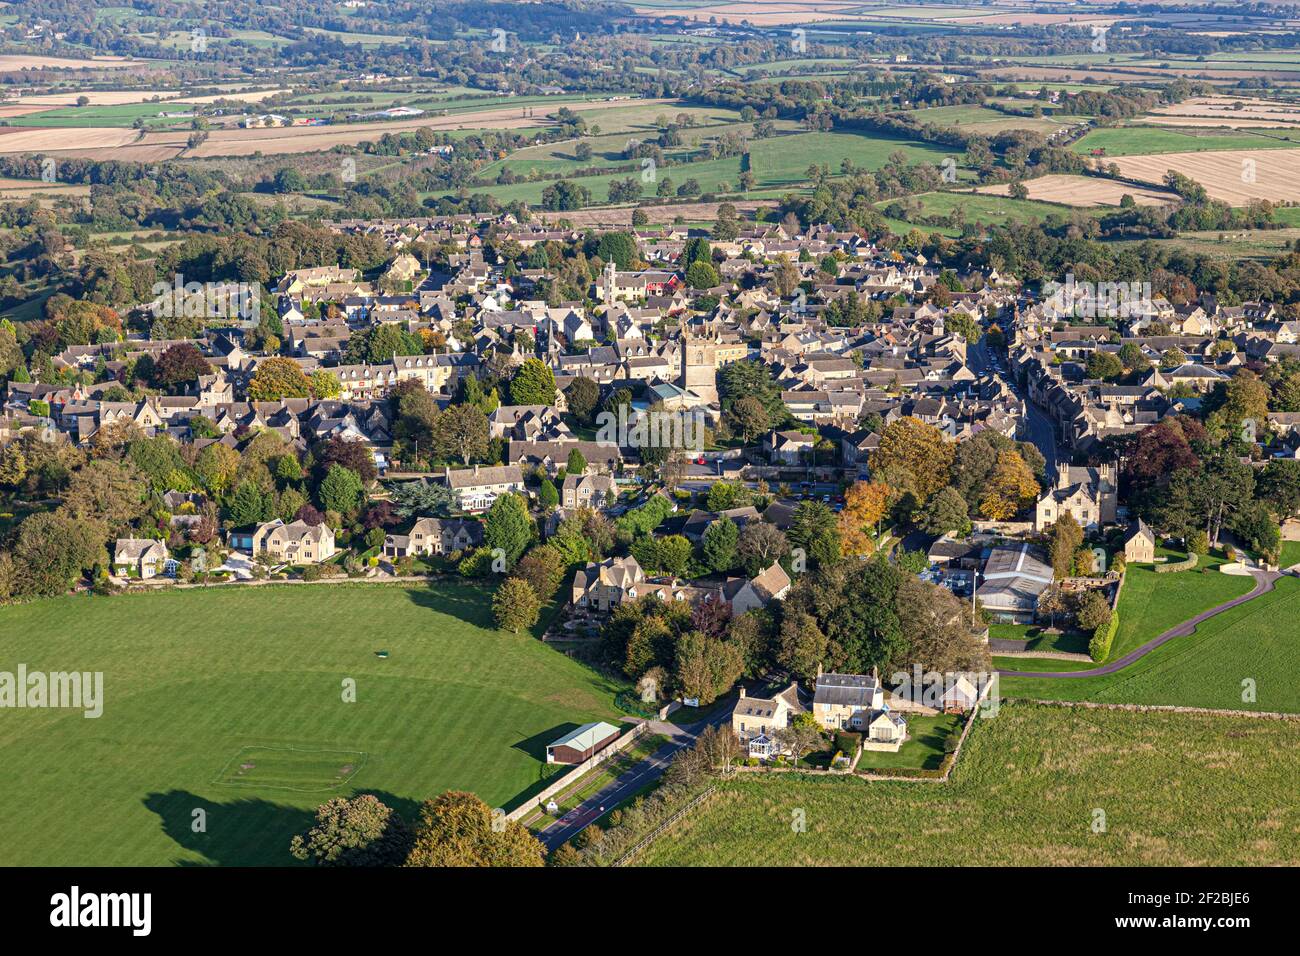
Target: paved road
[
  {"x": 630, "y": 781},
  {"x": 1264, "y": 582},
  {"x": 1038, "y": 426}
]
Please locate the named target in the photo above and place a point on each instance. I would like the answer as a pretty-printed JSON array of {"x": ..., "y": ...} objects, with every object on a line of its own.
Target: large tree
[
  {"x": 515, "y": 605},
  {"x": 53, "y": 550},
  {"x": 459, "y": 829},
  {"x": 533, "y": 384},
  {"x": 582, "y": 396},
  {"x": 921, "y": 450},
  {"x": 341, "y": 491},
  {"x": 719, "y": 544},
  {"x": 276, "y": 378},
  {"x": 1063, "y": 541},
  {"x": 508, "y": 527},
  {"x": 760, "y": 544},
  {"x": 706, "y": 667},
  {"x": 107, "y": 491},
  {"x": 360, "y": 831},
  {"x": 178, "y": 365},
  {"x": 462, "y": 430},
  {"x": 814, "y": 528},
  {"x": 414, "y": 499},
  {"x": 1010, "y": 488}
]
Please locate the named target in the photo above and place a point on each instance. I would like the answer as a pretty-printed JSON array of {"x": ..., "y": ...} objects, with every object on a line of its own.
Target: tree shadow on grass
[
  {"x": 242, "y": 832},
  {"x": 471, "y": 601},
  {"x": 535, "y": 747},
  {"x": 248, "y": 831},
  {"x": 468, "y": 602}
]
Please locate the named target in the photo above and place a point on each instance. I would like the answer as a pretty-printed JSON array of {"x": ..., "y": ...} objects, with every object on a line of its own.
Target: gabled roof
[{"x": 586, "y": 736}]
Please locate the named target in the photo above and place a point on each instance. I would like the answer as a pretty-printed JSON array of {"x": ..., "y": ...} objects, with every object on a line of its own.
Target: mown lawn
[
  {"x": 200, "y": 684},
  {"x": 1257, "y": 642},
  {"x": 1175, "y": 789},
  {"x": 1152, "y": 603},
  {"x": 923, "y": 749}
]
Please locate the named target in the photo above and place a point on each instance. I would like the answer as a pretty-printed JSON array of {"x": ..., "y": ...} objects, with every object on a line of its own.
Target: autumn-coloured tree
[
  {"x": 1065, "y": 539},
  {"x": 865, "y": 504},
  {"x": 918, "y": 449},
  {"x": 179, "y": 364},
  {"x": 361, "y": 831},
  {"x": 278, "y": 378},
  {"x": 1010, "y": 488},
  {"x": 516, "y": 606},
  {"x": 459, "y": 829}
]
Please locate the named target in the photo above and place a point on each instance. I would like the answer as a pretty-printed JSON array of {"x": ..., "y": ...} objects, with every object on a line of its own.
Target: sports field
[
  {"x": 231, "y": 701},
  {"x": 1035, "y": 786}
]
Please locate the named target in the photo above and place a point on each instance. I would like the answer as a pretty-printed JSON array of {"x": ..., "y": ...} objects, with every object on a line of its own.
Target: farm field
[
  {"x": 978, "y": 207},
  {"x": 978, "y": 119},
  {"x": 778, "y": 162},
  {"x": 1176, "y": 790},
  {"x": 130, "y": 144},
  {"x": 1139, "y": 140},
  {"x": 312, "y": 139},
  {"x": 1257, "y": 641},
  {"x": 1226, "y": 174},
  {"x": 1083, "y": 191},
  {"x": 123, "y": 115},
  {"x": 608, "y": 149},
  {"x": 1229, "y": 111},
  {"x": 621, "y": 217},
  {"x": 33, "y": 61},
  {"x": 197, "y": 684},
  {"x": 26, "y": 188},
  {"x": 1244, "y": 244}
]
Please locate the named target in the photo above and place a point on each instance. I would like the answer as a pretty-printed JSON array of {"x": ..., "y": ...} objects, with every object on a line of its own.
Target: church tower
[{"x": 700, "y": 365}]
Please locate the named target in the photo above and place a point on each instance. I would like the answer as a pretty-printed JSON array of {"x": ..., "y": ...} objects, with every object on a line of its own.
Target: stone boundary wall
[{"x": 571, "y": 776}]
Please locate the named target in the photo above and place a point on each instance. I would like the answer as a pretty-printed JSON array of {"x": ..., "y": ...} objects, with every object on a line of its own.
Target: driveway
[{"x": 1264, "y": 582}]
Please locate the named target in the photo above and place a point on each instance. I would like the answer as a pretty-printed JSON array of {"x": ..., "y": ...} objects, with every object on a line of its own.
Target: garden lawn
[
  {"x": 1176, "y": 790},
  {"x": 923, "y": 749},
  {"x": 199, "y": 684}
]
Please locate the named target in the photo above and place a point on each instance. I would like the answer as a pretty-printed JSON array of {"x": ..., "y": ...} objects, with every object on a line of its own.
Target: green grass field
[
  {"x": 231, "y": 701},
  {"x": 778, "y": 162},
  {"x": 997, "y": 210},
  {"x": 124, "y": 114},
  {"x": 1142, "y": 140},
  {"x": 1176, "y": 789},
  {"x": 1152, "y": 603},
  {"x": 1256, "y": 642}
]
